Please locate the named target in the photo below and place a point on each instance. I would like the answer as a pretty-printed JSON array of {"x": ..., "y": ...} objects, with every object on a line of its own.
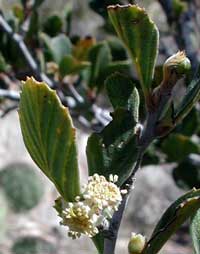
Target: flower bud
[
  {"x": 174, "y": 68},
  {"x": 136, "y": 243},
  {"x": 178, "y": 63}
]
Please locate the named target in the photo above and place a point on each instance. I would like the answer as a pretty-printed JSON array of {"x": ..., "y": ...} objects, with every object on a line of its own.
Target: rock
[
  {"x": 22, "y": 186},
  {"x": 33, "y": 245},
  {"x": 85, "y": 15},
  {"x": 11, "y": 143}
]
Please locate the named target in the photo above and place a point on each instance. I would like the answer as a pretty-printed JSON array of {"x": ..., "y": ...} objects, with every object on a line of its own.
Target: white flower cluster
[{"x": 94, "y": 207}]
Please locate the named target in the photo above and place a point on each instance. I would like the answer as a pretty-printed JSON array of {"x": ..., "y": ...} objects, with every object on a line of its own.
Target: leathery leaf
[
  {"x": 190, "y": 99},
  {"x": 114, "y": 150},
  {"x": 140, "y": 35},
  {"x": 49, "y": 136},
  {"x": 123, "y": 93},
  {"x": 182, "y": 209}
]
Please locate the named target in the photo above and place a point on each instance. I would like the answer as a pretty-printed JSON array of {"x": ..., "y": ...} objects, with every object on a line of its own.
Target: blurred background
[{"x": 80, "y": 29}]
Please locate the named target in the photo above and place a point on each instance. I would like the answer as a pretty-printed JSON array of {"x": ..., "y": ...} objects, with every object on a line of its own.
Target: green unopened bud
[
  {"x": 136, "y": 244},
  {"x": 178, "y": 64},
  {"x": 174, "y": 68}
]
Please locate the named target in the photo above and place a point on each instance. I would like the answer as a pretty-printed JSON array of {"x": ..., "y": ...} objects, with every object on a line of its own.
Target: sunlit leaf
[
  {"x": 100, "y": 57},
  {"x": 57, "y": 47},
  {"x": 49, "y": 136},
  {"x": 140, "y": 35}
]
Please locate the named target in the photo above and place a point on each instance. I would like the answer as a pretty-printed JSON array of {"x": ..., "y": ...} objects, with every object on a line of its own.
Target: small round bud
[
  {"x": 177, "y": 62},
  {"x": 136, "y": 244}
]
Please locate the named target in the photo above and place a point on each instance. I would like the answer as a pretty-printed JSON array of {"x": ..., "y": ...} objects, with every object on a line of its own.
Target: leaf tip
[{"x": 125, "y": 6}]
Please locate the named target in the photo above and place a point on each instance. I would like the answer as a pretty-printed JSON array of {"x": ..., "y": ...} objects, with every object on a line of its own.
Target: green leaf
[
  {"x": 18, "y": 11},
  {"x": 98, "y": 240},
  {"x": 59, "y": 205},
  {"x": 102, "y": 65},
  {"x": 190, "y": 124},
  {"x": 82, "y": 47},
  {"x": 117, "y": 48},
  {"x": 178, "y": 146},
  {"x": 37, "y": 3},
  {"x": 34, "y": 27},
  {"x": 57, "y": 47},
  {"x": 158, "y": 76},
  {"x": 191, "y": 98},
  {"x": 195, "y": 231},
  {"x": 112, "y": 67},
  {"x": 122, "y": 93},
  {"x": 117, "y": 66},
  {"x": 187, "y": 173},
  {"x": 3, "y": 65},
  {"x": 140, "y": 36},
  {"x": 49, "y": 136},
  {"x": 182, "y": 209},
  {"x": 67, "y": 11},
  {"x": 70, "y": 65},
  {"x": 53, "y": 25},
  {"x": 61, "y": 47},
  {"x": 114, "y": 150},
  {"x": 99, "y": 56},
  {"x": 178, "y": 8}
]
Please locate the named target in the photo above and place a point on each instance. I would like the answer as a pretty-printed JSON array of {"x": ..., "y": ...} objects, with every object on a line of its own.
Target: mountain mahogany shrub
[
  {"x": 115, "y": 153},
  {"x": 47, "y": 47}
]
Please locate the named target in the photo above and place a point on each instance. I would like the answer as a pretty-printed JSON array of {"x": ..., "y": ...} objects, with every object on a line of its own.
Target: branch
[
  {"x": 9, "y": 94},
  {"x": 101, "y": 115},
  {"x": 25, "y": 52},
  {"x": 111, "y": 236},
  {"x": 144, "y": 140},
  {"x": 8, "y": 109},
  {"x": 112, "y": 233}
]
